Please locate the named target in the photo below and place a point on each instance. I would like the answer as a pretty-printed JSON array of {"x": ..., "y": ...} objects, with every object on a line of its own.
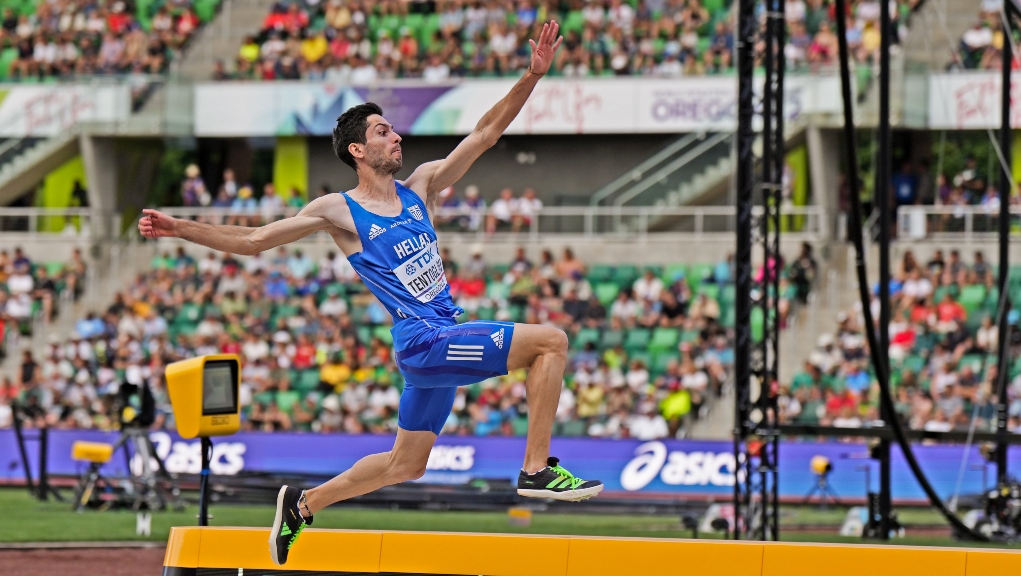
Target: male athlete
[{"x": 385, "y": 229}]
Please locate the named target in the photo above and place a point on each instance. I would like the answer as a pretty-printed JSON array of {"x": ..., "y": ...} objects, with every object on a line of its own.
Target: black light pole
[
  {"x": 746, "y": 34},
  {"x": 882, "y": 187},
  {"x": 207, "y": 452},
  {"x": 1004, "y": 234}
]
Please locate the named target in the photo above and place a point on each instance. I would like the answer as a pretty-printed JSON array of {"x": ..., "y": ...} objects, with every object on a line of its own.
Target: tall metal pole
[
  {"x": 743, "y": 254},
  {"x": 882, "y": 195},
  {"x": 1004, "y": 234},
  {"x": 779, "y": 147}
]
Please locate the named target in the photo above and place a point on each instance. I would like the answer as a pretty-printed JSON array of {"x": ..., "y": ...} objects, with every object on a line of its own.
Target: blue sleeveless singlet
[
  {"x": 400, "y": 260},
  {"x": 400, "y": 264}
]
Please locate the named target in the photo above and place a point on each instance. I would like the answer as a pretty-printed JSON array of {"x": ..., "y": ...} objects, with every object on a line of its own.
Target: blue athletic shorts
[{"x": 438, "y": 355}]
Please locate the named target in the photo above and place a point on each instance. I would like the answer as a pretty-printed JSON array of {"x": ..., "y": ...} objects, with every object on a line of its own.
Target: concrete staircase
[
  {"x": 35, "y": 158},
  {"x": 934, "y": 29},
  {"x": 221, "y": 38}
]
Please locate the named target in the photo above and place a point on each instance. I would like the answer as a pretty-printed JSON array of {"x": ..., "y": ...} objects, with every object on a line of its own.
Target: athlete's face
[{"x": 382, "y": 146}]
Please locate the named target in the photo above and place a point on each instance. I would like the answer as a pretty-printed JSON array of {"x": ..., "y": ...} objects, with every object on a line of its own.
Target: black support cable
[{"x": 854, "y": 187}]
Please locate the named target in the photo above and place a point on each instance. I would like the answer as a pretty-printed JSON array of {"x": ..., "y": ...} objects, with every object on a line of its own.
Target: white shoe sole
[
  {"x": 277, "y": 519},
  {"x": 568, "y": 496}
]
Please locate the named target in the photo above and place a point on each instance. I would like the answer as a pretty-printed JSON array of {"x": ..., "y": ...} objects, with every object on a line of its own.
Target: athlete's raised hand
[
  {"x": 544, "y": 50},
  {"x": 155, "y": 224}
]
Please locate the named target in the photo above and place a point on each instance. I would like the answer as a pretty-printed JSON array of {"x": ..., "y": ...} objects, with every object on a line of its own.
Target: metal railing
[
  {"x": 804, "y": 222},
  {"x": 48, "y": 221},
  {"x": 966, "y": 223}
]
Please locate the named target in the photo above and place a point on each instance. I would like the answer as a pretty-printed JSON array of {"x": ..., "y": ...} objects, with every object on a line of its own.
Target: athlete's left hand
[{"x": 544, "y": 50}]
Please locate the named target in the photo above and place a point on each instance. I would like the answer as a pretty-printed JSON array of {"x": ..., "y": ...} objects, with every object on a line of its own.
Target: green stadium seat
[
  {"x": 612, "y": 339},
  {"x": 189, "y": 313},
  {"x": 307, "y": 381},
  {"x": 690, "y": 336},
  {"x": 640, "y": 355},
  {"x": 637, "y": 339},
  {"x": 625, "y": 276},
  {"x": 972, "y": 297},
  {"x": 7, "y": 58},
  {"x": 520, "y": 426},
  {"x": 600, "y": 273},
  {"x": 383, "y": 333},
  {"x": 584, "y": 336},
  {"x": 664, "y": 339},
  {"x": 574, "y": 22},
  {"x": 711, "y": 291},
  {"x": 573, "y": 428},
  {"x": 286, "y": 399},
  {"x": 497, "y": 291},
  {"x": 697, "y": 273},
  {"x": 606, "y": 292},
  {"x": 660, "y": 362},
  {"x": 487, "y": 313},
  {"x": 364, "y": 334},
  {"x": 671, "y": 272},
  {"x": 758, "y": 324}
]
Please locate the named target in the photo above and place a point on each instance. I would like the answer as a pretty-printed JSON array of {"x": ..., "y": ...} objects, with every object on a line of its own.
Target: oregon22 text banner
[{"x": 557, "y": 106}]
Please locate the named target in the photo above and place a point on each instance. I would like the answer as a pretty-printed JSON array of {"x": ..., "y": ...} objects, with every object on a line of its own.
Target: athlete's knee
[
  {"x": 558, "y": 342},
  {"x": 405, "y": 470}
]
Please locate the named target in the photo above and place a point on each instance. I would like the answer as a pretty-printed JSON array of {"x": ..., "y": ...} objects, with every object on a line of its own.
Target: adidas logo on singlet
[
  {"x": 375, "y": 230},
  {"x": 498, "y": 338}
]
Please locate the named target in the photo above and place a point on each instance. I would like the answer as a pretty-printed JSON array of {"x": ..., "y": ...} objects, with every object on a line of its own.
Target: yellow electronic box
[{"x": 204, "y": 394}]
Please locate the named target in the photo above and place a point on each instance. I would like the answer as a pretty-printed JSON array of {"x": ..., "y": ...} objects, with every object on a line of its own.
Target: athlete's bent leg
[
  {"x": 405, "y": 462},
  {"x": 543, "y": 350}
]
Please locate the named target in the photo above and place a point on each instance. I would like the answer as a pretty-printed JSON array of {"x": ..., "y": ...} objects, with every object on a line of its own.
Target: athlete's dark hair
[{"x": 351, "y": 128}]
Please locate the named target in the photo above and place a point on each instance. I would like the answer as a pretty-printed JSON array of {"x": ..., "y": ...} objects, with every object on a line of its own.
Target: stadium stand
[
  {"x": 943, "y": 353},
  {"x": 650, "y": 346},
  {"x": 981, "y": 44},
  {"x": 75, "y": 38},
  {"x": 31, "y": 291},
  {"x": 360, "y": 42}
]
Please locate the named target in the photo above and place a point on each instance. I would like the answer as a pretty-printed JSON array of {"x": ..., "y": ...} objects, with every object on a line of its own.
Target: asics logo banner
[
  {"x": 464, "y": 352},
  {"x": 415, "y": 211},
  {"x": 498, "y": 338},
  {"x": 697, "y": 468},
  {"x": 374, "y": 231}
]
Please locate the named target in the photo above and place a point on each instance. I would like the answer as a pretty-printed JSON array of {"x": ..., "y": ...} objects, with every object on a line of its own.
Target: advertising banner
[
  {"x": 679, "y": 468},
  {"x": 48, "y": 110},
  {"x": 970, "y": 100},
  {"x": 557, "y": 106}
]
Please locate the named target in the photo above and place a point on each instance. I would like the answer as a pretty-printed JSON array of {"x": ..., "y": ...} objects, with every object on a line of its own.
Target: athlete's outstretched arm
[
  {"x": 238, "y": 239},
  {"x": 432, "y": 177}
]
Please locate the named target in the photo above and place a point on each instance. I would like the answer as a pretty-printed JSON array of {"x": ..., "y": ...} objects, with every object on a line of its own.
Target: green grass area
[{"x": 53, "y": 521}]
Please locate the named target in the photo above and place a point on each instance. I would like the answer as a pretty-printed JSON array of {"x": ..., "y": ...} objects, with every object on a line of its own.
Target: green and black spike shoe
[
  {"x": 287, "y": 524},
  {"x": 555, "y": 482}
]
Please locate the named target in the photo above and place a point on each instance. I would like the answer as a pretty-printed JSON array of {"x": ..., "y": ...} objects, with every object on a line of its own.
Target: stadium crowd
[
  {"x": 943, "y": 345},
  {"x": 360, "y": 42},
  {"x": 982, "y": 44},
  {"x": 31, "y": 290},
  {"x": 650, "y": 346},
  {"x": 88, "y": 37}
]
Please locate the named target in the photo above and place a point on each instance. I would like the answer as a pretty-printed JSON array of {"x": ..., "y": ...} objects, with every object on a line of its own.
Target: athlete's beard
[{"x": 384, "y": 166}]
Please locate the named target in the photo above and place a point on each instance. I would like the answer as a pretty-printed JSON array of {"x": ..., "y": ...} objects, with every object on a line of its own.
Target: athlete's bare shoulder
[{"x": 334, "y": 208}]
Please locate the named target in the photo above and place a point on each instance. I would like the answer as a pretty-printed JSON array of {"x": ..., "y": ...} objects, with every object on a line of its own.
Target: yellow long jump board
[{"x": 199, "y": 551}]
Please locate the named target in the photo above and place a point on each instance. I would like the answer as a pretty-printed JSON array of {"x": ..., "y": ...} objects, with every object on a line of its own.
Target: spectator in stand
[
  {"x": 193, "y": 189},
  {"x": 528, "y": 208},
  {"x": 502, "y": 212}
]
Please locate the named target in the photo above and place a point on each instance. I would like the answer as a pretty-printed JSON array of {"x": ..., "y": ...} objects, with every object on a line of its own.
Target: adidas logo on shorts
[
  {"x": 498, "y": 338},
  {"x": 375, "y": 231}
]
